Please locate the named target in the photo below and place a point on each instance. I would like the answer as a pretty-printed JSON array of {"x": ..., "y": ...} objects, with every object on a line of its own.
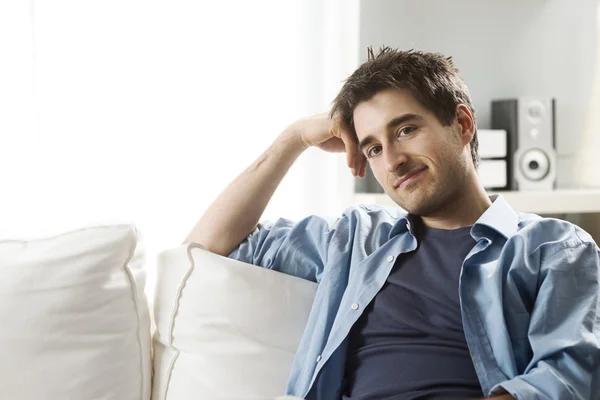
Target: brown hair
[{"x": 431, "y": 79}]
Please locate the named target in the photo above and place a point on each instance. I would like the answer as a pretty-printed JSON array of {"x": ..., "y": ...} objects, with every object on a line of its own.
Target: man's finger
[
  {"x": 351, "y": 150},
  {"x": 360, "y": 164},
  {"x": 341, "y": 130},
  {"x": 363, "y": 166}
]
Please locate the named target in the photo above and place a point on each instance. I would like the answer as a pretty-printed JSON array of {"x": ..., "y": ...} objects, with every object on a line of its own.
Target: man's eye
[
  {"x": 373, "y": 151},
  {"x": 406, "y": 131}
]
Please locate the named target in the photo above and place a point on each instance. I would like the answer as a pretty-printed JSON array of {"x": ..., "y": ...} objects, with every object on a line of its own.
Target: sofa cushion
[
  {"x": 225, "y": 329},
  {"x": 75, "y": 321}
]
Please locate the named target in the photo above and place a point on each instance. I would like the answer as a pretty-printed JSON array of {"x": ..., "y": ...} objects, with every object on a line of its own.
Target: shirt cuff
[{"x": 519, "y": 389}]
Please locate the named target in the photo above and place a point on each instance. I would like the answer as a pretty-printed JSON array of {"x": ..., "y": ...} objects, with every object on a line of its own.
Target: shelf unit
[{"x": 563, "y": 201}]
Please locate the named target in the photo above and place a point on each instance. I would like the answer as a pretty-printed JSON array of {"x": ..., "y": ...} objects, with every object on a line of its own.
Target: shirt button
[
  {"x": 390, "y": 258},
  {"x": 319, "y": 358},
  {"x": 354, "y": 306}
]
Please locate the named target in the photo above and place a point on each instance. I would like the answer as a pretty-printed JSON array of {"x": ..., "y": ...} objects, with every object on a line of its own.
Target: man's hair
[{"x": 430, "y": 78}]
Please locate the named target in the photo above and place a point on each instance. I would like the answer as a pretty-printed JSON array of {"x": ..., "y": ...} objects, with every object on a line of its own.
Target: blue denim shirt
[{"x": 529, "y": 295}]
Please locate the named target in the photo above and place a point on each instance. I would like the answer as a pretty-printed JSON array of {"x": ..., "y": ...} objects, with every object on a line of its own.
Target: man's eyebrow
[
  {"x": 399, "y": 120},
  {"x": 402, "y": 119}
]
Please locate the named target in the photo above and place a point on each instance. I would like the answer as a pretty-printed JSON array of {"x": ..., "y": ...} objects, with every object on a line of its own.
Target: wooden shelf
[{"x": 563, "y": 201}]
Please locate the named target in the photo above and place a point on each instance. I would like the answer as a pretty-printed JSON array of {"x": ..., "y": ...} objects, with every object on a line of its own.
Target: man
[{"x": 461, "y": 297}]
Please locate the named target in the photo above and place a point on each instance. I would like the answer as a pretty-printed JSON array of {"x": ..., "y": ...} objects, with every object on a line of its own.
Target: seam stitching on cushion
[
  {"x": 68, "y": 233},
  {"x": 133, "y": 286},
  {"x": 172, "y": 322}
]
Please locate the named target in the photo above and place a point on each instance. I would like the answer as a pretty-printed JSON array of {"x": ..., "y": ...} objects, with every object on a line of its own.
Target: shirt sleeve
[
  {"x": 294, "y": 248},
  {"x": 564, "y": 330}
]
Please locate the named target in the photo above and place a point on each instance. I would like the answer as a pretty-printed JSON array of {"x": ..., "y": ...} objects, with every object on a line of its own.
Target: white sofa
[{"x": 76, "y": 324}]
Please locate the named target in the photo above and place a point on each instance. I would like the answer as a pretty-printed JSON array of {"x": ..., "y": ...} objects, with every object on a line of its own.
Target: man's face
[{"x": 419, "y": 163}]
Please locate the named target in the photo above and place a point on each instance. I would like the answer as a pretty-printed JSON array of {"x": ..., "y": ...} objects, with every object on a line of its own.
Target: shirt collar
[
  {"x": 404, "y": 224},
  {"x": 500, "y": 217}
]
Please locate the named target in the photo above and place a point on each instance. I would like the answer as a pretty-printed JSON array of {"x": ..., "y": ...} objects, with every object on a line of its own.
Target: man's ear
[{"x": 465, "y": 122}]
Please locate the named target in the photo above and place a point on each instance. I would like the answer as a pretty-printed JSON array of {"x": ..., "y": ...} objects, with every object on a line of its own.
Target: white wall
[
  {"x": 503, "y": 49},
  {"x": 128, "y": 110}
]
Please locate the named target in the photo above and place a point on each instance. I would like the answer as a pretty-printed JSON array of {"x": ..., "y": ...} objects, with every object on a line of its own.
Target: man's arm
[
  {"x": 563, "y": 330},
  {"x": 237, "y": 211}
]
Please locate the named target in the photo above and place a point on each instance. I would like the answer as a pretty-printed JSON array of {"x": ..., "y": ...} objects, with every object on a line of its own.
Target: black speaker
[{"x": 531, "y": 141}]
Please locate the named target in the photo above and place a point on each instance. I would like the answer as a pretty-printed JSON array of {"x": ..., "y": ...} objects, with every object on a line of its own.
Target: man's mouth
[{"x": 408, "y": 177}]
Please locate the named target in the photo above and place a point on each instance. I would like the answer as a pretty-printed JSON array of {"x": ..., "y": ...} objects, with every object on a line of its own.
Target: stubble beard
[{"x": 432, "y": 197}]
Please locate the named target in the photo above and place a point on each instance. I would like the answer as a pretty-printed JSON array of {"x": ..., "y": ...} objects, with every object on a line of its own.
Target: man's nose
[{"x": 394, "y": 158}]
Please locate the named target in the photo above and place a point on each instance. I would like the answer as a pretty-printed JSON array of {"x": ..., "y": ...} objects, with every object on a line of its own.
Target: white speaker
[{"x": 530, "y": 124}]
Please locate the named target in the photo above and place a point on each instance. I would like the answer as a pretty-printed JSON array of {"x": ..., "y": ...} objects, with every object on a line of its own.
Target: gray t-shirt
[{"x": 409, "y": 342}]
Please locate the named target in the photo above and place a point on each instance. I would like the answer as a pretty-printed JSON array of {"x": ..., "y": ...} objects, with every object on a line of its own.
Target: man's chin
[
  {"x": 404, "y": 203},
  {"x": 413, "y": 205}
]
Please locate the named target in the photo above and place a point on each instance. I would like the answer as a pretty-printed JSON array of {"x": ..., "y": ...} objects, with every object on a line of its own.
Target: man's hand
[{"x": 333, "y": 135}]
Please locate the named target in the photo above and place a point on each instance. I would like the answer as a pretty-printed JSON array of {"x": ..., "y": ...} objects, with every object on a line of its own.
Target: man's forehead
[{"x": 371, "y": 117}]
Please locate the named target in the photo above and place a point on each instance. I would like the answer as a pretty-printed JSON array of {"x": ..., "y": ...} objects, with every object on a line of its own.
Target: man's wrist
[{"x": 291, "y": 138}]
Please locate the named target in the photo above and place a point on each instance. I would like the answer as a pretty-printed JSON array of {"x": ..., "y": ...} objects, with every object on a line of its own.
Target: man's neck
[{"x": 462, "y": 210}]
